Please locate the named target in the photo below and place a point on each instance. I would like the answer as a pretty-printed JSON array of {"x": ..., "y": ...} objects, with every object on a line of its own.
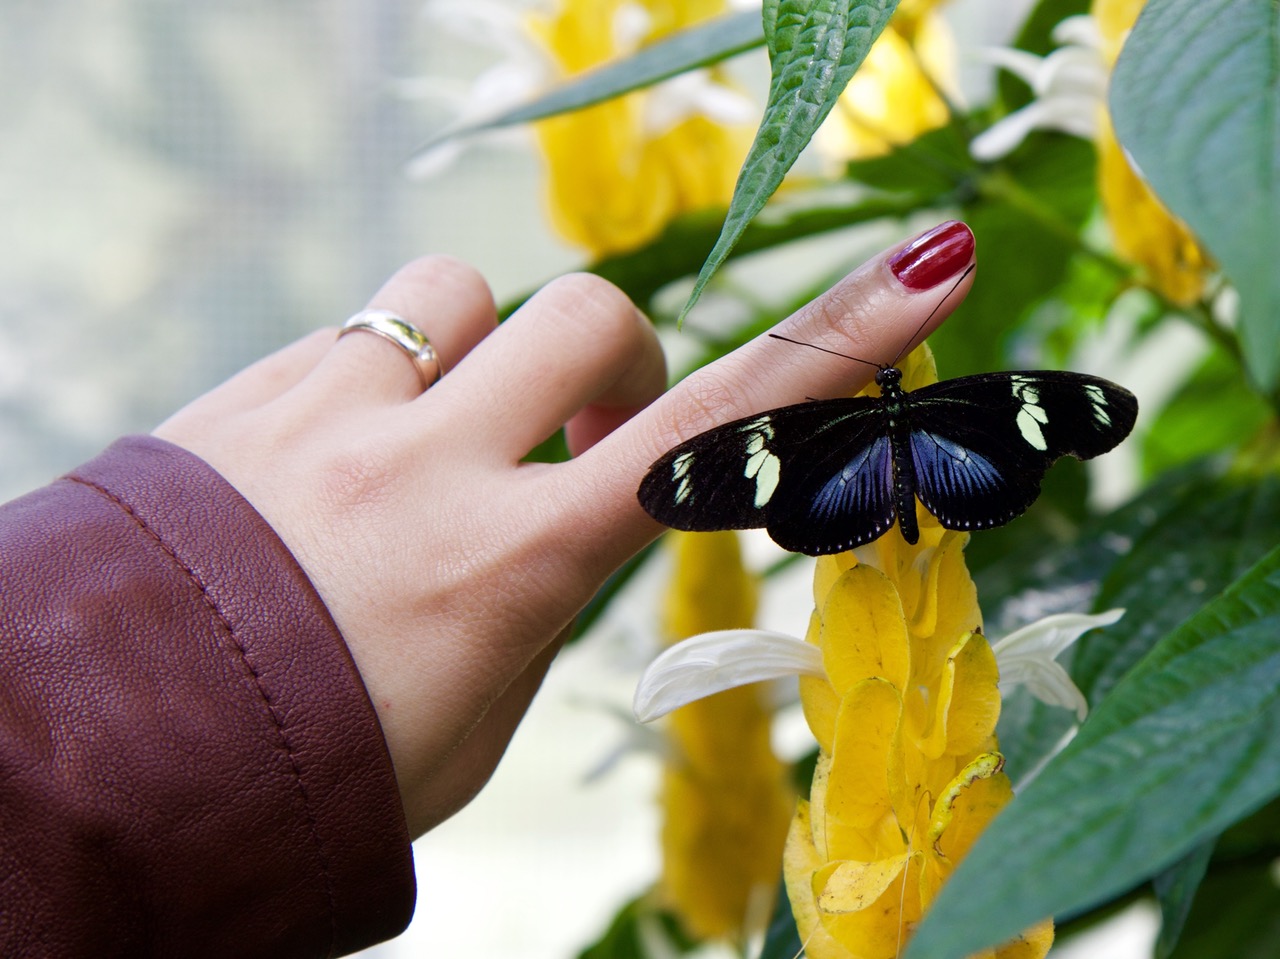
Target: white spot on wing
[
  {"x": 761, "y": 465},
  {"x": 762, "y": 426},
  {"x": 1030, "y": 418},
  {"x": 680, "y": 476},
  {"x": 1032, "y": 415},
  {"x": 1099, "y": 400},
  {"x": 765, "y": 469},
  {"x": 1024, "y": 390}
]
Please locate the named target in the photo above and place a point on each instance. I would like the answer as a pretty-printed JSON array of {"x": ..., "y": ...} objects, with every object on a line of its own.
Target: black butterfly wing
[
  {"x": 981, "y": 444},
  {"x": 818, "y": 475}
]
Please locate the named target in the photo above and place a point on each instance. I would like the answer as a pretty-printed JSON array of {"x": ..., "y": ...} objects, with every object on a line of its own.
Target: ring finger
[{"x": 445, "y": 299}]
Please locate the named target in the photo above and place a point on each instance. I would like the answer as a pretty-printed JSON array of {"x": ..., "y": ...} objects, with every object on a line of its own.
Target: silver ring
[{"x": 403, "y": 334}]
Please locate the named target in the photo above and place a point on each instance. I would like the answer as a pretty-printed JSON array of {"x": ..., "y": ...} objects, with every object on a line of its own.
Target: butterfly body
[{"x": 828, "y": 475}]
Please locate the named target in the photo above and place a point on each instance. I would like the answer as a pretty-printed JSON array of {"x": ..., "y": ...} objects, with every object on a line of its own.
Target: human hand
[{"x": 451, "y": 568}]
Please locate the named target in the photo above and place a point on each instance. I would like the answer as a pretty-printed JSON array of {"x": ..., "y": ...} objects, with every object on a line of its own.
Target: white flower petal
[
  {"x": 1005, "y": 135},
  {"x": 486, "y": 23},
  {"x": 1080, "y": 31},
  {"x": 1023, "y": 65},
  {"x": 1048, "y": 637},
  {"x": 1070, "y": 86},
  {"x": 713, "y": 662},
  {"x": 1046, "y": 681},
  {"x": 1026, "y": 657},
  {"x": 1077, "y": 116},
  {"x": 1072, "y": 71}
]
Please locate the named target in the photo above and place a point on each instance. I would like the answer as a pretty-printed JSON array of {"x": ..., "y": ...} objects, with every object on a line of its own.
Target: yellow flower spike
[
  {"x": 905, "y": 718},
  {"x": 725, "y": 796},
  {"x": 818, "y": 697},
  {"x": 959, "y": 611},
  {"x": 881, "y": 927},
  {"x": 1032, "y": 944},
  {"x": 919, "y": 368},
  {"x": 818, "y": 800},
  {"x": 863, "y": 633},
  {"x": 937, "y": 594}
]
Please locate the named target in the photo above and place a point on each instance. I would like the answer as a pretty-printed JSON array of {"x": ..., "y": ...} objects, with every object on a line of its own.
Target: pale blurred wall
[{"x": 184, "y": 187}]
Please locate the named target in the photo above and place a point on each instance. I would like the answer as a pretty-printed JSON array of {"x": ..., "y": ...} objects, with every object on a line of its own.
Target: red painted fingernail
[{"x": 933, "y": 256}]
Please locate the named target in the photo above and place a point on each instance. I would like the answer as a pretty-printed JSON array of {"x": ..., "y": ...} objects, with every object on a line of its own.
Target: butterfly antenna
[
  {"x": 932, "y": 313},
  {"x": 910, "y": 339},
  {"x": 856, "y": 359}
]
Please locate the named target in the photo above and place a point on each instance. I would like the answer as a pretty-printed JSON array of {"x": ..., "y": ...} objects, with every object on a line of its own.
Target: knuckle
[
  {"x": 590, "y": 298},
  {"x": 458, "y": 278}
]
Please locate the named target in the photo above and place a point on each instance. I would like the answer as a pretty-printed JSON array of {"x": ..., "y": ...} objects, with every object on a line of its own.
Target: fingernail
[{"x": 933, "y": 256}]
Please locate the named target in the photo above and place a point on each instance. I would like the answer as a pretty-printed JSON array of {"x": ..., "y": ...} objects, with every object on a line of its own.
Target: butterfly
[{"x": 828, "y": 475}]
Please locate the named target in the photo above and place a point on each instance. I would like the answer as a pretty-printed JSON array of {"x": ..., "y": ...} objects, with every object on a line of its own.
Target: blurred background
[{"x": 186, "y": 187}]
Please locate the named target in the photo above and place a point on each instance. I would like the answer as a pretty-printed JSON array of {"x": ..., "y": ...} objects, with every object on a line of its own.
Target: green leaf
[
  {"x": 1187, "y": 743},
  {"x": 699, "y": 46},
  {"x": 1256, "y": 837},
  {"x": 934, "y": 164},
  {"x": 1176, "y": 891},
  {"x": 1196, "y": 100},
  {"x": 815, "y": 46},
  {"x": 1237, "y": 914}
]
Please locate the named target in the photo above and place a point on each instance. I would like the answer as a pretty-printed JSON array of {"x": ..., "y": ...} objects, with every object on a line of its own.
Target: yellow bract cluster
[
  {"x": 908, "y": 774},
  {"x": 726, "y": 797},
  {"x": 619, "y": 172}
]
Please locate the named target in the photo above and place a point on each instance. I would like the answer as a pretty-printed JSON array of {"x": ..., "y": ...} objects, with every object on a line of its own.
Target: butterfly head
[{"x": 888, "y": 377}]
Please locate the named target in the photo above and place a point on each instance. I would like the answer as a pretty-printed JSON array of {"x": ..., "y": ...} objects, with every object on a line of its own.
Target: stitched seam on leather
[{"x": 287, "y": 747}]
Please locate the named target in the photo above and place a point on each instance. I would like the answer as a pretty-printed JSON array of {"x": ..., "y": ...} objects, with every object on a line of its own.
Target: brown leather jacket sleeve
[{"x": 189, "y": 762}]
